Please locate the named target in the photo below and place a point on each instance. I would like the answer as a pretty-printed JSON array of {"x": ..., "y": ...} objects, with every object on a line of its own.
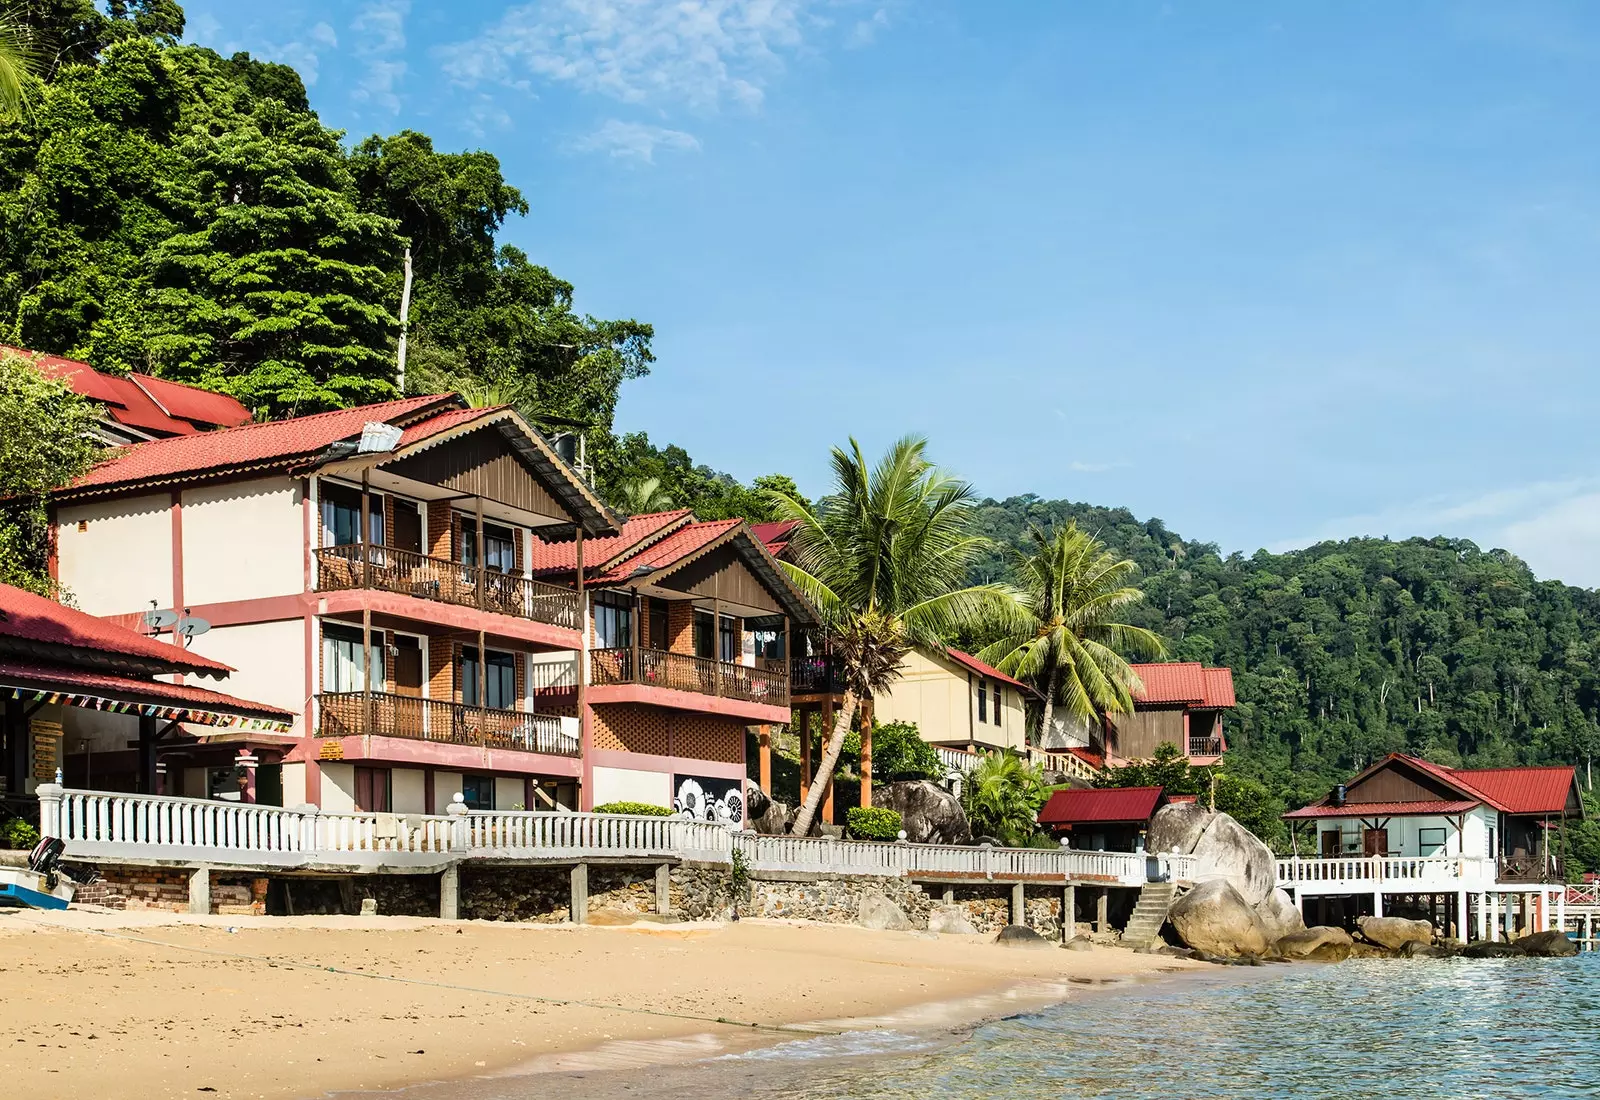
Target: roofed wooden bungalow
[{"x": 1110, "y": 819}]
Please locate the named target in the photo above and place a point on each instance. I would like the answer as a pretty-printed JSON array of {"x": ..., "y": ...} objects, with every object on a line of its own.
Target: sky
[{"x": 1273, "y": 272}]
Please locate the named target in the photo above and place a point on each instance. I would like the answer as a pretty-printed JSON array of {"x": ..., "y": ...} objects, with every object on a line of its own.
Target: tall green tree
[
  {"x": 1071, "y": 649},
  {"x": 276, "y": 294},
  {"x": 883, "y": 557},
  {"x": 1002, "y": 798},
  {"x": 18, "y": 61},
  {"x": 45, "y": 441}
]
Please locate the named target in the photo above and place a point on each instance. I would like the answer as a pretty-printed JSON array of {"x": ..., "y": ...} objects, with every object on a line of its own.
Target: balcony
[
  {"x": 406, "y": 573},
  {"x": 1205, "y": 746},
  {"x": 819, "y": 675},
  {"x": 1532, "y": 869},
  {"x": 681, "y": 672},
  {"x": 383, "y": 714}
]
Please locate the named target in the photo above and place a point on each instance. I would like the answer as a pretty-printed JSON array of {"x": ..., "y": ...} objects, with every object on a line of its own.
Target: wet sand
[{"x": 156, "y": 1005}]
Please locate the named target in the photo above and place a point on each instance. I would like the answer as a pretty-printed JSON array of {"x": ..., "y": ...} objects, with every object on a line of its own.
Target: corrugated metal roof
[
  {"x": 1187, "y": 682},
  {"x": 1100, "y": 805},
  {"x": 130, "y": 689},
  {"x": 1386, "y": 809},
  {"x": 1522, "y": 790},
  {"x": 33, "y": 618},
  {"x": 982, "y": 669}
]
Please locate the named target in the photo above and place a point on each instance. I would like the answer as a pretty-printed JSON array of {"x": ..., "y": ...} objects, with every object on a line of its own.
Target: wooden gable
[
  {"x": 482, "y": 463},
  {"x": 722, "y": 574},
  {"x": 1396, "y": 781}
]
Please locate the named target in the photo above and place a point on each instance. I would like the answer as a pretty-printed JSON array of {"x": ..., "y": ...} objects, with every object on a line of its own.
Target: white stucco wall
[
  {"x": 1405, "y": 834},
  {"x": 338, "y": 787},
  {"x": 122, "y": 559},
  {"x": 628, "y": 785},
  {"x": 509, "y": 794},
  {"x": 294, "y": 785},
  {"x": 446, "y": 785},
  {"x": 242, "y": 541},
  {"x": 269, "y": 662},
  {"x": 937, "y": 696},
  {"x": 408, "y": 791}
]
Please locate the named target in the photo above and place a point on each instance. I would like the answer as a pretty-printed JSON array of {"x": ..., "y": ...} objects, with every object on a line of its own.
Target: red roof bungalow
[
  {"x": 1181, "y": 703},
  {"x": 1102, "y": 819},
  {"x": 80, "y": 694}
]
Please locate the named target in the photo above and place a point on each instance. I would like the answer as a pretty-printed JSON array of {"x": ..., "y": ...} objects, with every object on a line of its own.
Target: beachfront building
[
  {"x": 85, "y": 699},
  {"x": 365, "y": 571},
  {"x": 1180, "y": 703},
  {"x": 1110, "y": 819},
  {"x": 137, "y": 407},
  {"x": 1474, "y": 848}
]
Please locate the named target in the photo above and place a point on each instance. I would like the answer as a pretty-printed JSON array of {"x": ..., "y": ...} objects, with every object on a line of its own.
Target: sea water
[{"x": 1369, "y": 1028}]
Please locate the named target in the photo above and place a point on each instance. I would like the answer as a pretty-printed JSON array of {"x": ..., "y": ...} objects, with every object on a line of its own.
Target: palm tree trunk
[
  {"x": 823, "y": 777},
  {"x": 1051, "y": 686}
]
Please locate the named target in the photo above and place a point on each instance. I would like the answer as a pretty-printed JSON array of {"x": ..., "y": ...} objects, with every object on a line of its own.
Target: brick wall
[
  {"x": 440, "y": 528},
  {"x": 680, "y": 627},
  {"x": 441, "y": 668},
  {"x": 168, "y": 891}
]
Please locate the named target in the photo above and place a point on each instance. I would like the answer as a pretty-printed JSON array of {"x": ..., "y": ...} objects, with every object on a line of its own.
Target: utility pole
[{"x": 405, "y": 315}]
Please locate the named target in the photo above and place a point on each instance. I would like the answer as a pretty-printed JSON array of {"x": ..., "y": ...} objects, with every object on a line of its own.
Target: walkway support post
[
  {"x": 1069, "y": 912},
  {"x": 1102, "y": 905},
  {"x": 450, "y": 893},
  {"x": 200, "y": 891},
  {"x": 578, "y": 913},
  {"x": 1019, "y": 904},
  {"x": 1377, "y": 902},
  {"x": 663, "y": 888},
  {"x": 1460, "y": 930}
]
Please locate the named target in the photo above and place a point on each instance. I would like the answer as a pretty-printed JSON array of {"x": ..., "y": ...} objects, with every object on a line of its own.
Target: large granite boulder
[
  {"x": 1214, "y": 918},
  {"x": 1547, "y": 945},
  {"x": 1308, "y": 941},
  {"x": 1394, "y": 932},
  {"x": 1228, "y": 850},
  {"x": 1020, "y": 935},
  {"x": 928, "y": 813},
  {"x": 1492, "y": 949},
  {"x": 878, "y": 912},
  {"x": 767, "y": 815},
  {"x": 951, "y": 920},
  {"x": 1279, "y": 915},
  {"x": 1176, "y": 827}
]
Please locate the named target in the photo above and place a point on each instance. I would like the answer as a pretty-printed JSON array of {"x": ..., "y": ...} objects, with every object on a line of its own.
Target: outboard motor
[{"x": 43, "y": 859}]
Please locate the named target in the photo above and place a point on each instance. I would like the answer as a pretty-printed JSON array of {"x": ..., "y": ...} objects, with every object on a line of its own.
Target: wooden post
[
  {"x": 483, "y": 681},
  {"x": 585, "y": 731},
  {"x": 147, "y": 754},
  {"x": 866, "y": 752},
  {"x": 365, "y": 542},
  {"x": 366, "y": 670},
  {"x": 478, "y": 565},
  {"x": 827, "y": 732},
  {"x": 633, "y": 641},
  {"x": 805, "y": 751},
  {"x": 764, "y": 739},
  {"x": 716, "y": 639}
]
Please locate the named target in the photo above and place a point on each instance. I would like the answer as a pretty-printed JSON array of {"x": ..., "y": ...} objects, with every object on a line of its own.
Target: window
[
  {"x": 613, "y": 620},
  {"x": 341, "y": 516},
  {"x": 1431, "y": 842},
  {"x": 499, "y": 546},
  {"x": 372, "y": 790},
  {"x": 500, "y": 679},
  {"x": 998, "y": 701},
  {"x": 983, "y": 701},
  {"x": 342, "y": 657},
  {"x": 729, "y": 635},
  {"x": 704, "y": 644},
  {"x": 477, "y": 791},
  {"x": 658, "y": 625}
]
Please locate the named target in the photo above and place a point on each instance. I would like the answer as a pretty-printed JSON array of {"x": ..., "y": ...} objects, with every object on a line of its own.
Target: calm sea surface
[{"x": 1418, "y": 1028}]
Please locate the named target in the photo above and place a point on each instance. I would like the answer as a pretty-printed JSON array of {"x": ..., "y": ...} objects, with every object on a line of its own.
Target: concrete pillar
[
  {"x": 200, "y": 891},
  {"x": 1377, "y": 903},
  {"x": 450, "y": 893},
  {"x": 1019, "y": 904},
  {"x": 1069, "y": 912},
  {"x": 1561, "y": 909},
  {"x": 949, "y": 895},
  {"x": 579, "y": 911},
  {"x": 663, "y": 888},
  {"x": 1460, "y": 930},
  {"x": 1102, "y": 922},
  {"x": 1483, "y": 916}
]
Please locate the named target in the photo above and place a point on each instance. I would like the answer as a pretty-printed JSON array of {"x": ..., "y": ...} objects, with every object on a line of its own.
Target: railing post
[
  {"x": 460, "y": 828},
  {"x": 308, "y": 826},
  {"x": 50, "y": 809}
]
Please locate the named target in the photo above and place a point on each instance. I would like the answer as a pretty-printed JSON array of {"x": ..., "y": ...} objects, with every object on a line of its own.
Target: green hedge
[
  {"x": 17, "y": 833},
  {"x": 873, "y": 823},
  {"x": 638, "y": 809}
]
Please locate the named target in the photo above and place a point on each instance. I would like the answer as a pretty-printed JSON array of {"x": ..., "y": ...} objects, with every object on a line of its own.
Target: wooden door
[
  {"x": 407, "y": 526},
  {"x": 1332, "y": 846},
  {"x": 408, "y": 717},
  {"x": 1375, "y": 842}
]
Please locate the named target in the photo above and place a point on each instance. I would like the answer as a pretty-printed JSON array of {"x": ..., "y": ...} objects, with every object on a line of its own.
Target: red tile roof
[
  {"x": 130, "y": 688},
  {"x": 36, "y": 619},
  {"x": 191, "y": 403},
  {"x": 1107, "y": 805},
  {"x": 252, "y": 445},
  {"x": 562, "y": 557},
  {"x": 151, "y": 405},
  {"x": 1386, "y": 809},
  {"x": 775, "y": 535},
  {"x": 443, "y": 422},
  {"x": 969, "y": 661},
  {"x": 1096, "y": 760},
  {"x": 1187, "y": 682},
  {"x": 1522, "y": 790},
  {"x": 684, "y": 542}
]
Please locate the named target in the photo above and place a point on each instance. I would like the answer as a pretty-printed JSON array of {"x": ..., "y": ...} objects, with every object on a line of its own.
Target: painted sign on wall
[{"x": 700, "y": 798}]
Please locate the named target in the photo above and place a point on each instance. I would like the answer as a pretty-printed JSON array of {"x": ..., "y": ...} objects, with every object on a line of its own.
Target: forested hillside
[{"x": 1345, "y": 651}]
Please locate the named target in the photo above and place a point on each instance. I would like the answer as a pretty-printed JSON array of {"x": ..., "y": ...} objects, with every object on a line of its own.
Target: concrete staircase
[{"x": 1149, "y": 915}]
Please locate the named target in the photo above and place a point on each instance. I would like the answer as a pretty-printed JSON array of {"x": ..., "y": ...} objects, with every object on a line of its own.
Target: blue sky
[{"x": 1271, "y": 271}]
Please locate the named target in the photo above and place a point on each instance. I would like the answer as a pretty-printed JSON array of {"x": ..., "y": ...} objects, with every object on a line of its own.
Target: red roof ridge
[{"x": 982, "y": 668}]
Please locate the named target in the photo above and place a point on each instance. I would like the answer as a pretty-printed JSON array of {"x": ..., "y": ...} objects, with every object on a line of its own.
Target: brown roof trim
[{"x": 755, "y": 554}]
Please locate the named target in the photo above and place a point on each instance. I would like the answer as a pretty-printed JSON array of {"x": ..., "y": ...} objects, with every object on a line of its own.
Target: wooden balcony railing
[
  {"x": 682, "y": 672},
  {"x": 1205, "y": 746},
  {"x": 1532, "y": 869},
  {"x": 820, "y": 675},
  {"x": 383, "y": 714},
  {"x": 411, "y": 574}
]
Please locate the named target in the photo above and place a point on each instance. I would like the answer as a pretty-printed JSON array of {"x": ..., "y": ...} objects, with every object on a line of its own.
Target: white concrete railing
[
  {"x": 106, "y": 825},
  {"x": 958, "y": 760},
  {"x": 1385, "y": 870}
]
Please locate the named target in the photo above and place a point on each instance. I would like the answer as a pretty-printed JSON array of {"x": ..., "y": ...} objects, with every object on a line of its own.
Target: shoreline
[{"x": 142, "y": 1004}]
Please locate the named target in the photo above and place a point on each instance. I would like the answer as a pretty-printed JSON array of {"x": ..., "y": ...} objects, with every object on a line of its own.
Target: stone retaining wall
[{"x": 232, "y": 895}]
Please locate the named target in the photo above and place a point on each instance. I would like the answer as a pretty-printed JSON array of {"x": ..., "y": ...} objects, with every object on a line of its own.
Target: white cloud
[
  {"x": 699, "y": 53},
  {"x": 380, "y": 28},
  {"x": 865, "y": 32},
  {"x": 635, "y": 141}
]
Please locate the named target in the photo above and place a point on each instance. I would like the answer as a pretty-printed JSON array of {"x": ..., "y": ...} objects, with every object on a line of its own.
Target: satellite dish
[
  {"x": 155, "y": 620},
  {"x": 191, "y": 626}
]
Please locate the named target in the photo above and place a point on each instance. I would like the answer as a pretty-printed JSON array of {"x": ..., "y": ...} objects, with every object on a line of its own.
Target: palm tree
[
  {"x": 643, "y": 495},
  {"x": 1002, "y": 797},
  {"x": 1072, "y": 648},
  {"x": 18, "y": 60},
  {"x": 884, "y": 559}
]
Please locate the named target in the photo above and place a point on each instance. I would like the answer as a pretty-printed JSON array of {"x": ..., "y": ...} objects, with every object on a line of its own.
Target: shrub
[
  {"x": 17, "y": 833},
  {"x": 873, "y": 823},
  {"x": 899, "y": 752},
  {"x": 641, "y": 809}
]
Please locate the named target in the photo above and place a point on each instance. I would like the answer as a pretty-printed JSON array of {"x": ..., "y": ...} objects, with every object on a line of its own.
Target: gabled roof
[
  {"x": 967, "y": 660},
  {"x": 1526, "y": 790},
  {"x": 599, "y": 553},
  {"x": 1386, "y": 809},
  {"x": 153, "y": 406},
  {"x": 775, "y": 534},
  {"x": 1186, "y": 682},
  {"x": 1109, "y": 805},
  {"x": 24, "y": 675},
  {"x": 31, "y": 618}
]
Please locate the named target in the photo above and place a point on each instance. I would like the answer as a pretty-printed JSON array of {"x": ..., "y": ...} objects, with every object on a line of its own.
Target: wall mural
[{"x": 719, "y": 801}]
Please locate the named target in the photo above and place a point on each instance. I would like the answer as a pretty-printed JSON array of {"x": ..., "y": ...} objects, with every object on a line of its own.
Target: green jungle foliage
[
  {"x": 873, "y": 823},
  {"x": 1346, "y": 651},
  {"x": 1247, "y": 801},
  {"x": 638, "y": 809},
  {"x": 898, "y": 753}
]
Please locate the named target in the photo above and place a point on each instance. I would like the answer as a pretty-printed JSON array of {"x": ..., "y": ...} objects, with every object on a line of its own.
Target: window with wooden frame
[
  {"x": 983, "y": 700},
  {"x": 613, "y": 620},
  {"x": 1431, "y": 841},
  {"x": 499, "y": 679},
  {"x": 343, "y": 654},
  {"x": 341, "y": 515}
]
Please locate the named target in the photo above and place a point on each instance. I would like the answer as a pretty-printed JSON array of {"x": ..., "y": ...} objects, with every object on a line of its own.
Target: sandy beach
[{"x": 155, "y": 1005}]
